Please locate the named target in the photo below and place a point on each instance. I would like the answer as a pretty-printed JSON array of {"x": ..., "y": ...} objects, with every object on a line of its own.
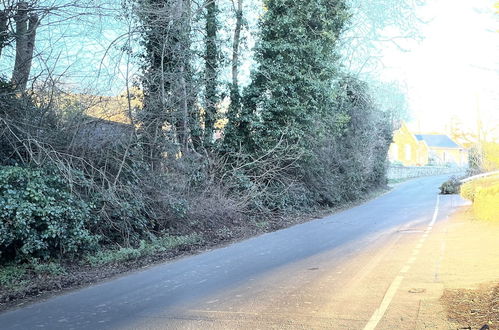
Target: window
[{"x": 407, "y": 152}]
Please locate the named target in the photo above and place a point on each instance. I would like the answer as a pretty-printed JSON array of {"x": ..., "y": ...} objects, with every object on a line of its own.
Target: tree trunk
[
  {"x": 25, "y": 44},
  {"x": 235, "y": 51},
  {"x": 211, "y": 70},
  {"x": 233, "y": 129},
  {"x": 4, "y": 29},
  {"x": 181, "y": 90},
  {"x": 167, "y": 78},
  {"x": 184, "y": 110}
]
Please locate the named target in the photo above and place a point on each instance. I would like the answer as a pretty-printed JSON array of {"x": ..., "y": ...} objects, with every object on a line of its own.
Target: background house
[
  {"x": 424, "y": 149},
  {"x": 407, "y": 149},
  {"x": 443, "y": 150}
]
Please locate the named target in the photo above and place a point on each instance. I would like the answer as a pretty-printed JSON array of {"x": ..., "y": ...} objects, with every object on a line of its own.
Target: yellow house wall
[
  {"x": 406, "y": 149},
  {"x": 423, "y": 153}
]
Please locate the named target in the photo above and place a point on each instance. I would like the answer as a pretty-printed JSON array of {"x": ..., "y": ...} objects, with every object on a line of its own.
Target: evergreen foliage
[
  {"x": 292, "y": 86},
  {"x": 303, "y": 134},
  {"x": 336, "y": 137},
  {"x": 40, "y": 217},
  {"x": 166, "y": 34},
  {"x": 211, "y": 71}
]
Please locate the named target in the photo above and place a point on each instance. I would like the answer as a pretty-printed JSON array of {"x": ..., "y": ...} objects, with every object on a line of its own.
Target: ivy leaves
[{"x": 40, "y": 218}]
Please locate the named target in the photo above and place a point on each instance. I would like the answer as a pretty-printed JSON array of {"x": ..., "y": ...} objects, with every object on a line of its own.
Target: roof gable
[{"x": 437, "y": 141}]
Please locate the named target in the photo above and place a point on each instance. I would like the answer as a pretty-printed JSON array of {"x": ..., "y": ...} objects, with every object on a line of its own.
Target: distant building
[
  {"x": 412, "y": 149},
  {"x": 443, "y": 150},
  {"x": 96, "y": 133}
]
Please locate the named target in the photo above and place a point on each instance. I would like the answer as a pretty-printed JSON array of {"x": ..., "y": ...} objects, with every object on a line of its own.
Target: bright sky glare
[{"x": 454, "y": 71}]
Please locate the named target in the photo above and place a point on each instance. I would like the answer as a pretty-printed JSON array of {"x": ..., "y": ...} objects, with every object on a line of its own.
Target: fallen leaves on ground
[{"x": 473, "y": 308}]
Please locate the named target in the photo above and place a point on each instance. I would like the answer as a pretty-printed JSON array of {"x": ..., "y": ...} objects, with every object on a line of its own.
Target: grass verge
[{"x": 160, "y": 245}]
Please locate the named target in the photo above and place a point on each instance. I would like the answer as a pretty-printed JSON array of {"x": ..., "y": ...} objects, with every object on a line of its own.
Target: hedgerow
[{"x": 40, "y": 217}]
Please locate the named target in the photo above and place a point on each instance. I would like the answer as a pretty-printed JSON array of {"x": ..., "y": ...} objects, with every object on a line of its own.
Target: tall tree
[
  {"x": 236, "y": 42},
  {"x": 211, "y": 71},
  {"x": 296, "y": 59},
  {"x": 26, "y": 24},
  {"x": 4, "y": 28},
  {"x": 234, "y": 131},
  {"x": 166, "y": 31},
  {"x": 378, "y": 25}
]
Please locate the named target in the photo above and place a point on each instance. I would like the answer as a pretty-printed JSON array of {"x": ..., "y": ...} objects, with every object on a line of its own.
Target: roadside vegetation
[
  {"x": 484, "y": 193},
  {"x": 483, "y": 158},
  {"x": 451, "y": 186},
  {"x": 476, "y": 306},
  {"x": 197, "y": 158}
]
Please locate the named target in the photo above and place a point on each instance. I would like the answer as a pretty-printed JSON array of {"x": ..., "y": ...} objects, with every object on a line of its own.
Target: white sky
[{"x": 454, "y": 71}]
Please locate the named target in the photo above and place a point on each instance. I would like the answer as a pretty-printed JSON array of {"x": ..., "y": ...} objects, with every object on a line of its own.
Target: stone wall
[{"x": 398, "y": 172}]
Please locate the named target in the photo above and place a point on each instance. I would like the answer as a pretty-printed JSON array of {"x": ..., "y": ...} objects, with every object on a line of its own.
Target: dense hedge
[
  {"x": 486, "y": 205},
  {"x": 484, "y": 193},
  {"x": 40, "y": 218}
]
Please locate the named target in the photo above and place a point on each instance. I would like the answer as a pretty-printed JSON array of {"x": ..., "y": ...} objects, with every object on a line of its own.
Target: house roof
[{"x": 437, "y": 141}]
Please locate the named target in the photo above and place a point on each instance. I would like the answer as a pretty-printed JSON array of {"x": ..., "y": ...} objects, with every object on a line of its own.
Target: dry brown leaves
[{"x": 473, "y": 309}]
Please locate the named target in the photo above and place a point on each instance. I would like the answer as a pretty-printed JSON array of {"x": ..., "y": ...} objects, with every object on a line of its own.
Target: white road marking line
[
  {"x": 435, "y": 214},
  {"x": 392, "y": 289},
  {"x": 379, "y": 312}
]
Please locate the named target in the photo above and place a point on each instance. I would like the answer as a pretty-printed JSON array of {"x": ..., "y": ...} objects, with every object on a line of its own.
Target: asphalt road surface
[{"x": 340, "y": 272}]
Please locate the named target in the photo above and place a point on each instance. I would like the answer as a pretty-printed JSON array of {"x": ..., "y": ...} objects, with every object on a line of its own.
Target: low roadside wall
[{"x": 397, "y": 172}]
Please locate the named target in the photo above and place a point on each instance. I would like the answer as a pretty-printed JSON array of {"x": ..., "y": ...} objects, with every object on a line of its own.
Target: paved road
[{"x": 330, "y": 273}]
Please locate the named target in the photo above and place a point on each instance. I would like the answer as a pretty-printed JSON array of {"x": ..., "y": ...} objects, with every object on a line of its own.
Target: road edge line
[{"x": 392, "y": 289}]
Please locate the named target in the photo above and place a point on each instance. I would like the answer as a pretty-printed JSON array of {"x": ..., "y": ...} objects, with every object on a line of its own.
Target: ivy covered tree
[
  {"x": 231, "y": 133},
  {"x": 318, "y": 126},
  {"x": 292, "y": 85},
  {"x": 211, "y": 71},
  {"x": 166, "y": 34}
]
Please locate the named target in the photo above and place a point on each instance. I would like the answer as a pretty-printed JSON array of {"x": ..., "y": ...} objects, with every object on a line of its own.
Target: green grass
[
  {"x": 159, "y": 245},
  {"x": 16, "y": 276},
  {"x": 12, "y": 276},
  {"x": 50, "y": 268}
]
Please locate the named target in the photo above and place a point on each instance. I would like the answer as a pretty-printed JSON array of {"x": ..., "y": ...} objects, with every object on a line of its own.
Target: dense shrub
[
  {"x": 470, "y": 188},
  {"x": 349, "y": 160},
  {"x": 40, "y": 218},
  {"x": 484, "y": 193},
  {"x": 451, "y": 186},
  {"x": 486, "y": 204}
]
